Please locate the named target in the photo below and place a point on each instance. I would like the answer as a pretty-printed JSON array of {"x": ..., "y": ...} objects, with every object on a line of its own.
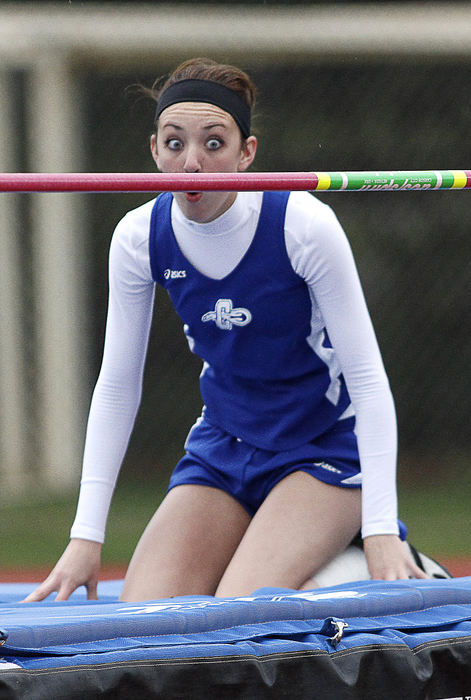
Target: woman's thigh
[
  {"x": 186, "y": 545},
  {"x": 302, "y": 524}
]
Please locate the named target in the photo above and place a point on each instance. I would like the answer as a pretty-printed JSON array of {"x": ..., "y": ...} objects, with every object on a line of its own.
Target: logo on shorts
[
  {"x": 225, "y": 315},
  {"x": 174, "y": 274},
  {"x": 328, "y": 467}
]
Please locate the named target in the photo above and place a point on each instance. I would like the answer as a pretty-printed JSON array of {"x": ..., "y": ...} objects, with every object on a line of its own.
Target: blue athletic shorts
[{"x": 248, "y": 474}]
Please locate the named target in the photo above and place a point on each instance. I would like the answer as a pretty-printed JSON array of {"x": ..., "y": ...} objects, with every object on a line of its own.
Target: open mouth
[{"x": 193, "y": 196}]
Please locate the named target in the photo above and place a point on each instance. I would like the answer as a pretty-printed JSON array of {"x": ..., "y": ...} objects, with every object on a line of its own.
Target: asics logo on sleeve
[
  {"x": 225, "y": 315},
  {"x": 174, "y": 274}
]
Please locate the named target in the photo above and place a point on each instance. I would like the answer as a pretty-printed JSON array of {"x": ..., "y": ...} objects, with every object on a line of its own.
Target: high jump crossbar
[{"x": 357, "y": 181}]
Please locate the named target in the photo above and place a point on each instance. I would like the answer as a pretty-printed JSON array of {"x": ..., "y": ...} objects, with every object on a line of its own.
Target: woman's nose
[{"x": 192, "y": 160}]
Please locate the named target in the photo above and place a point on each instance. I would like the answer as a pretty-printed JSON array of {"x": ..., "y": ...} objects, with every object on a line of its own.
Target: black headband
[{"x": 193, "y": 90}]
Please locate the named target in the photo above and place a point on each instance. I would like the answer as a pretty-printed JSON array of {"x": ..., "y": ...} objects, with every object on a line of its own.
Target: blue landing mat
[{"x": 369, "y": 639}]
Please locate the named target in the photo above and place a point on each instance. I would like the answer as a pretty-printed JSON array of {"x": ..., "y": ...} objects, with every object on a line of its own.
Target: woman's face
[{"x": 196, "y": 137}]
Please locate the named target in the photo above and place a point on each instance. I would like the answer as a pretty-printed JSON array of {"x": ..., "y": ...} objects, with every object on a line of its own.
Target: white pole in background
[
  {"x": 59, "y": 245},
  {"x": 14, "y": 417}
]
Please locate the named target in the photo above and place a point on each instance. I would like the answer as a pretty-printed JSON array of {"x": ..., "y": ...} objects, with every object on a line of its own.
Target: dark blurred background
[{"x": 413, "y": 250}]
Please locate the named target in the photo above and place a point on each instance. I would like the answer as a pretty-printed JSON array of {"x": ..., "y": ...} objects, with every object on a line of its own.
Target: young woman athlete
[{"x": 295, "y": 449}]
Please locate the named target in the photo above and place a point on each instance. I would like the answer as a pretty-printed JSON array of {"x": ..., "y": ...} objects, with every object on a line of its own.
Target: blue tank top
[{"x": 261, "y": 381}]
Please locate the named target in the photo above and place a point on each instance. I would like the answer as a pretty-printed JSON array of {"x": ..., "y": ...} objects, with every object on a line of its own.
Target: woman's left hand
[{"x": 388, "y": 558}]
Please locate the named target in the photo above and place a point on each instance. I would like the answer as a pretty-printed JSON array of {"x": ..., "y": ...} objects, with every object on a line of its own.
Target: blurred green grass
[{"x": 33, "y": 533}]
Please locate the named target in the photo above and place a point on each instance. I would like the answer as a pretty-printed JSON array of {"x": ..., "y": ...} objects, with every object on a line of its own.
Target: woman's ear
[
  {"x": 249, "y": 149},
  {"x": 153, "y": 149}
]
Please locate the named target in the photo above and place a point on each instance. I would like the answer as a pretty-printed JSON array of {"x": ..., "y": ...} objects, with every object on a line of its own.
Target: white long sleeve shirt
[{"x": 319, "y": 253}]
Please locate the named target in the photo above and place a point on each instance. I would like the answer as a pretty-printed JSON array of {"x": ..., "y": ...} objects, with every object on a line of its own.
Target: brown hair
[{"x": 206, "y": 69}]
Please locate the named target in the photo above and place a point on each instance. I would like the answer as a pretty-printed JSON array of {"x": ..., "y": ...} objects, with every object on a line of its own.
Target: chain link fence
[{"x": 413, "y": 250}]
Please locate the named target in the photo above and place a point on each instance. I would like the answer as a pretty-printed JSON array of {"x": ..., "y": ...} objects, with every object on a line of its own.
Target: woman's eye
[
  {"x": 213, "y": 144},
  {"x": 174, "y": 144}
]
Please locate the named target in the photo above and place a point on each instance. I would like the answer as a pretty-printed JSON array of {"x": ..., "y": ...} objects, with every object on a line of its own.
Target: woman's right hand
[{"x": 78, "y": 566}]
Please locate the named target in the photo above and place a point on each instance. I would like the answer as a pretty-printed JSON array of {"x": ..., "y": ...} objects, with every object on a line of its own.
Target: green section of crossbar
[{"x": 399, "y": 180}]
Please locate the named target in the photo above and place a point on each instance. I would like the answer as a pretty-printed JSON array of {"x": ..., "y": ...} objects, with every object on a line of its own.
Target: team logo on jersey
[
  {"x": 174, "y": 274},
  {"x": 225, "y": 315}
]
